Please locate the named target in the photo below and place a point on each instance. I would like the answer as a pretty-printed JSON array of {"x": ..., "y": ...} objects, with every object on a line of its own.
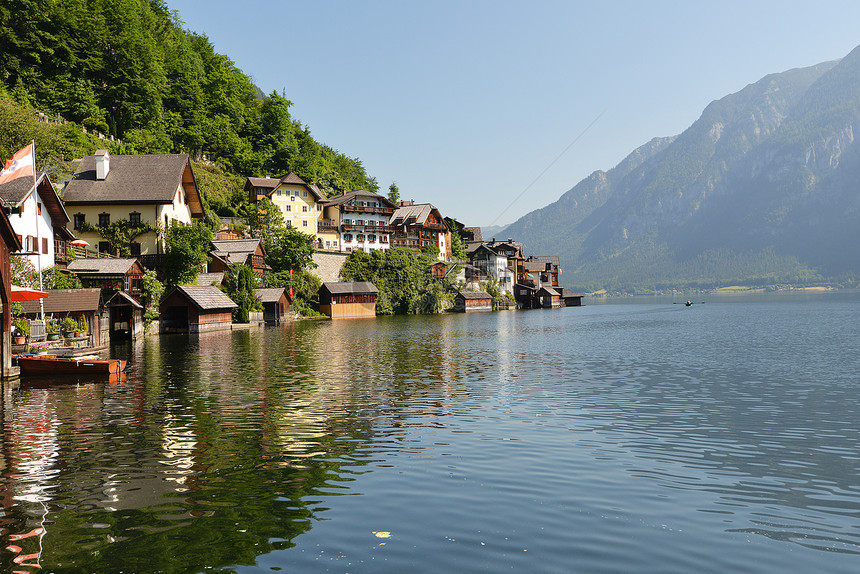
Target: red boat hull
[{"x": 53, "y": 365}]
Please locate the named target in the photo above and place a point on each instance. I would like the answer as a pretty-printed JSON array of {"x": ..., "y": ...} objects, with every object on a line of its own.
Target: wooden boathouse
[
  {"x": 195, "y": 309},
  {"x": 348, "y": 300},
  {"x": 469, "y": 301}
]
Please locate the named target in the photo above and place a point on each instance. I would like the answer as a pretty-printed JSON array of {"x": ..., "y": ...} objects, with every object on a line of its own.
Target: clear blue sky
[{"x": 467, "y": 104}]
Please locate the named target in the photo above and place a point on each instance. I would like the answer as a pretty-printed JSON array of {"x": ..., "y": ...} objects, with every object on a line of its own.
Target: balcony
[
  {"x": 349, "y": 227},
  {"x": 364, "y": 209},
  {"x": 326, "y": 227}
]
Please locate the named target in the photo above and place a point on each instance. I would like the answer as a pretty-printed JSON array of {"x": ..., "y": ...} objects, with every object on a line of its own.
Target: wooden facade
[
  {"x": 469, "y": 301},
  {"x": 195, "y": 309},
  {"x": 348, "y": 300},
  {"x": 74, "y": 303},
  {"x": 276, "y": 304},
  {"x": 9, "y": 243}
]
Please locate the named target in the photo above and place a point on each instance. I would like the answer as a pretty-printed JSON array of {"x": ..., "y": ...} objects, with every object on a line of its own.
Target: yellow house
[
  {"x": 158, "y": 189},
  {"x": 300, "y": 202}
]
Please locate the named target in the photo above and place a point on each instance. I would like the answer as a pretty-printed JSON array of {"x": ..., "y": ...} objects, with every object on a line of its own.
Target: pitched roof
[
  {"x": 121, "y": 298},
  {"x": 150, "y": 178},
  {"x": 13, "y": 193},
  {"x": 209, "y": 278},
  {"x": 268, "y": 182},
  {"x": 205, "y": 297},
  {"x": 417, "y": 213},
  {"x": 549, "y": 290},
  {"x": 234, "y": 250},
  {"x": 534, "y": 266},
  {"x": 546, "y": 258},
  {"x": 101, "y": 266},
  {"x": 474, "y": 295},
  {"x": 269, "y": 295},
  {"x": 347, "y": 288},
  {"x": 293, "y": 179},
  {"x": 66, "y": 301},
  {"x": 360, "y": 193}
]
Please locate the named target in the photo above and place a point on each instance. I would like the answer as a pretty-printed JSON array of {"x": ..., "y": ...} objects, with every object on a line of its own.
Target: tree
[
  {"x": 458, "y": 246},
  {"x": 288, "y": 248},
  {"x": 55, "y": 278},
  {"x": 151, "y": 291},
  {"x": 262, "y": 217},
  {"x": 23, "y": 272},
  {"x": 394, "y": 193},
  {"x": 187, "y": 250},
  {"x": 306, "y": 287},
  {"x": 240, "y": 288}
]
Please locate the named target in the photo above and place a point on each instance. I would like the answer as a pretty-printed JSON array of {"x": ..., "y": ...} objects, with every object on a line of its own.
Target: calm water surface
[{"x": 635, "y": 437}]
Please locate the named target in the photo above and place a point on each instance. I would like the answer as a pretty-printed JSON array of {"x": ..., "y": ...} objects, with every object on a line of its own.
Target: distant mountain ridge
[{"x": 762, "y": 189}]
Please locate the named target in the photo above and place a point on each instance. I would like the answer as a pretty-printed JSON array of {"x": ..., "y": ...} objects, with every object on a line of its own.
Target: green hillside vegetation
[{"x": 127, "y": 68}]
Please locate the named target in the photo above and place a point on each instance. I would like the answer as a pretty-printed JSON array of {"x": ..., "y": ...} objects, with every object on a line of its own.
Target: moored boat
[{"x": 52, "y": 364}]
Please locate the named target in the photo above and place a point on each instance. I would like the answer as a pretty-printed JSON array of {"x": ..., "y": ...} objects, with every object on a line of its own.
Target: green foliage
[
  {"x": 262, "y": 218},
  {"x": 55, "y": 278},
  {"x": 23, "y": 272},
  {"x": 127, "y": 67},
  {"x": 401, "y": 276},
  {"x": 241, "y": 283},
  {"x": 306, "y": 288},
  {"x": 187, "y": 250},
  {"x": 458, "y": 246},
  {"x": 70, "y": 324},
  {"x": 288, "y": 248},
  {"x": 431, "y": 250},
  {"x": 151, "y": 291},
  {"x": 21, "y": 326},
  {"x": 492, "y": 288},
  {"x": 120, "y": 233},
  {"x": 394, "y": 193}
]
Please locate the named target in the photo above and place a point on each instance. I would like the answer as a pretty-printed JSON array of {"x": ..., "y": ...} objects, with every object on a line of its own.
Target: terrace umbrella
[
  {"x": 79, "y": 243},
  {"x": 26, "y": 294}
]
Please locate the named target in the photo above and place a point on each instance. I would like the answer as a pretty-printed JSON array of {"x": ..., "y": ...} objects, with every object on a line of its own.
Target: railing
[
  {"x": 351, "y": 227},
  {"x": 327, "y": 228},
  {"x": 153, "y": 260},
  {"x": 366, "y": 209}
]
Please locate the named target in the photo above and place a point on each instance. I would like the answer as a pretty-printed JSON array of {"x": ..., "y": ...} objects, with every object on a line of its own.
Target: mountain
[{"x": 762, "y": 189}]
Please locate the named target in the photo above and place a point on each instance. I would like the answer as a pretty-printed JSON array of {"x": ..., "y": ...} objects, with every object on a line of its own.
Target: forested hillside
[
  {"x": 761, "y": 190},
  {"x": 127, "y": 68}
]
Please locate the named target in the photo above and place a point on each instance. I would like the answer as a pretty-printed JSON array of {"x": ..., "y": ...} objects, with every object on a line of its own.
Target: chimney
[{"x": 102, "y": 164}]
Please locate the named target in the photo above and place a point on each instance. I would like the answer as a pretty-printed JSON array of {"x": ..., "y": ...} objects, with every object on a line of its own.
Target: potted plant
[
  {"x": 22, "y": 330},
  {"x": 69, "y": 327},
  {"x": 82, "y": 326},
  {"x": 52, "y": 328}
]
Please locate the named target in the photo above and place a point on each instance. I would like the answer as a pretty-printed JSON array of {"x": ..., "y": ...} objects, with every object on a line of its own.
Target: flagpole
[{"x": 38, "y": 235}]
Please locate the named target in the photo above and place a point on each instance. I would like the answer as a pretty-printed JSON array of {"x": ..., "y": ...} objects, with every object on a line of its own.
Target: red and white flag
[{"x": 21, "y": 164}]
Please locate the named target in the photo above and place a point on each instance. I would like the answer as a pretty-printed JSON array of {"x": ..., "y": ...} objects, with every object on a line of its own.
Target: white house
[{"x": 38, "y": 219}]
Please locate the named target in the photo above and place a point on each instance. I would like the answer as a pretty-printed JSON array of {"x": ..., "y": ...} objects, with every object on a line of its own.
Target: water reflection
[{"x": 223, "y": 448}]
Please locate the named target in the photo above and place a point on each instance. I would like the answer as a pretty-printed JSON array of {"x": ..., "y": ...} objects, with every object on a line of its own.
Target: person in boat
[{"x": 688, "y": 303}]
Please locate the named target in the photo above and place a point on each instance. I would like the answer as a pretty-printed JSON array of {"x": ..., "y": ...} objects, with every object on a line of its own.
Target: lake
[{"x": 630, "y": 436}]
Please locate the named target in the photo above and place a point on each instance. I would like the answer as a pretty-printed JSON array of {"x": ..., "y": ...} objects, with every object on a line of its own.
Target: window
[
  {"x": 134, "y": 247},
  {"x": 334, "y": 243},
  {"x": 371, "y": 238},
  {"x": 304, "y": 209},
  {"x": 104, "y": 247},
  {"x": 304, "y": 193},
  {"x": 319, "y": 207},
  {"x": 360, "y": 237},
  {"x": 45, "y": 245},
  {"x": 134, "y": 218},
  {"x": 278, "y": 193},
  {"x": 104, "y": 219},
  {"x": 304, "y": 222},
  {"x": 39, "y": 208},
  {"x": 31, "y": 243},
  {"x": 347, "y": 236},
  {"x": 80, "y": 219},
  {"x": 288, "y": 208}
]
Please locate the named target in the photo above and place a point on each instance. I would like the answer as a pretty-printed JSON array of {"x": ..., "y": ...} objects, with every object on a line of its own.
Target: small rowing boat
[{"x": 54, "y": 365}]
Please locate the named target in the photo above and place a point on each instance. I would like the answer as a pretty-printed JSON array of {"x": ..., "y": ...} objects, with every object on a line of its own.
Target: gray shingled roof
[
  {"x": 66, "y": 301},
  {"x": 130, "y": 179},
  {"x": 123, "y": 298},
  {"x": 549, "y": 290},
  {"x": 269, "y": 182},
  {"x": 17, "y": 190},
  {"x": 269, "y": 295},
  {"x": 475, "y": 295},
  {"x": 234, "y": 250},
  {"x": 360, "y": 194},
  {"x": 205, "y": 297},
  {"x": 404, "y": 213},
  {"x": 347, "y": 288},
  {"x": 101, "y": 266}
]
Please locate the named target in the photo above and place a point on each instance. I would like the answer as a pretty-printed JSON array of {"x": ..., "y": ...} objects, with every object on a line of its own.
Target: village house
[
  {"x": 491, "y": 263},
  {"x": 195, "y": 309},
  {"x": 469, "y": 301},
  {"x": 417, "y": 225},
  {"x": 546, "y": 297},
  {"x": 300, "y": 202},
  {"x": 226, "y": 252},
  {"x": 159, "y": 190},
  {"x": 348, "y": 300},
  {"x": 39, "y": 220},
  {"x": 362, "y": 220}
]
